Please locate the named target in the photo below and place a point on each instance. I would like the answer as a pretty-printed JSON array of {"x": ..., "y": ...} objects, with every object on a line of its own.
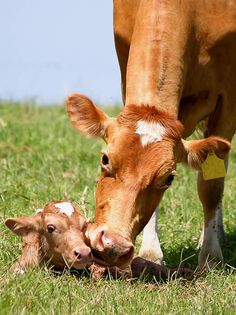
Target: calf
[{"x": 55, "y": 234}]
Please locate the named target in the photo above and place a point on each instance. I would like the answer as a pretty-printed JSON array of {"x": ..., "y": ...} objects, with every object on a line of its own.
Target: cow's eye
[
  {"x": 106, "y": 165},
  {"x": 105, "y": 160},
  {"x": 51, "y": 228},
  {"x": 169, "y": 179}
]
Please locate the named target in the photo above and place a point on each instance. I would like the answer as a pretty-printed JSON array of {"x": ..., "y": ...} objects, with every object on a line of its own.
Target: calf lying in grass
[{"x": 56, "y": 235}]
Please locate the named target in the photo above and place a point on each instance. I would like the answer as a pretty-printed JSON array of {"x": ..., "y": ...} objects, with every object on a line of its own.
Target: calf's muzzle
[{"x": 83, "y": 254}]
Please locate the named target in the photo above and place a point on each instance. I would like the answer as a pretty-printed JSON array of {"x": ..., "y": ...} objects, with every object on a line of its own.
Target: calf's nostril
[
  {"x": 77, "y": 254},
  {"x": 83, "y": 253},
  {"x": 86, "y": 252}
]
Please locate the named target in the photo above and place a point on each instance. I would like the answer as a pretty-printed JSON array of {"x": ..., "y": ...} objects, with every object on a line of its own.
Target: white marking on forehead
[
  {"x": 150, "y": 131},
  {"x": 65, "y": 207},
  {"x": 39, "y": 210}
]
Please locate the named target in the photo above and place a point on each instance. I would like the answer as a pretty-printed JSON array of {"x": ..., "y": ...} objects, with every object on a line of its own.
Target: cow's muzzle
[{"x": 110, "y": 248}]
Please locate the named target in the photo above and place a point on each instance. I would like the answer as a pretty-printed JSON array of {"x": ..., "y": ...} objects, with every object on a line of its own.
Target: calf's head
[
  {"x": 137, "y": 166},
  {"x": 59, "y": 229}
]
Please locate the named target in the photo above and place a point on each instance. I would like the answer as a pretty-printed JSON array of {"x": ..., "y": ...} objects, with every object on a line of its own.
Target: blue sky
[{"x": 50, "y": 48}]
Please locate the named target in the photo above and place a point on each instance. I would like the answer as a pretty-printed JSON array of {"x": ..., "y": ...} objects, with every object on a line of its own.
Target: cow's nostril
[
  {"x": 77, "y": 254},
  {"x": 106, "y": 240},
  {"x": 99, "y": 241}
]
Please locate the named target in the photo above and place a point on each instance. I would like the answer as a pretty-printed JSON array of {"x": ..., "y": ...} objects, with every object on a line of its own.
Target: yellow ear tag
[{"x": 213, "y": 167}]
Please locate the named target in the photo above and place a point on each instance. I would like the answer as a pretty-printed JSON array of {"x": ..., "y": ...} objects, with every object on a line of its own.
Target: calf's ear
[
  {"x": 194, "y": 152},
  {"x": 22, "y": 226},
  {"x": 85, "y": 116}
]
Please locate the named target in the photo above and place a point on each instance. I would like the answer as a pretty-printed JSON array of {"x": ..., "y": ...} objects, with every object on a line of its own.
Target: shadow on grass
[
  {"x": 139, "y": 269},
  {"x": 183, "y": 256},
  {"x": 188, "y": 256},
  {"x": 229, "y": 249}
]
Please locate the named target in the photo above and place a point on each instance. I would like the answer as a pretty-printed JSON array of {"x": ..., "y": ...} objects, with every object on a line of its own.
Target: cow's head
[
  {"x": 137, "y": 166},
  {"x": 61, "y": 234}
]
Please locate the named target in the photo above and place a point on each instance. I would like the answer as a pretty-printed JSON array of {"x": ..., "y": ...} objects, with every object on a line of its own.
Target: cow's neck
[{"x": 155, "y": 70}]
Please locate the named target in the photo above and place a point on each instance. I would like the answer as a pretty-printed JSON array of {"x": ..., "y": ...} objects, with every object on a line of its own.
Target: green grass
[{"x": 42, "y": 158}]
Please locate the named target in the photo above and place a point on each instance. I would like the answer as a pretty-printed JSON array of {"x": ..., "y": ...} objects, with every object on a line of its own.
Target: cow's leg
[
  {"x": 219, "y": 221},
  {"x": 150, "y": 247},
  {"x": 210, "y": 193},
  {"x": 208, "y": 243},
  {"x": 220, "y": 227},
  {"x": 213, "y": 234},
  {"x": 221, "y": 123}
]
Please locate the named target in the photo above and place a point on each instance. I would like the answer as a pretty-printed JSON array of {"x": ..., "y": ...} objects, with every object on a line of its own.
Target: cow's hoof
[{"x": 210, "y": 258}]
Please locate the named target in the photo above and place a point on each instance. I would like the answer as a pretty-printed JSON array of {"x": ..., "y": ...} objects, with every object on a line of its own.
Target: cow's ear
[
  {"x": 85, "y": 116},
  {"x": 22, "y": 226},
  {"x": 194, "y": 152}
]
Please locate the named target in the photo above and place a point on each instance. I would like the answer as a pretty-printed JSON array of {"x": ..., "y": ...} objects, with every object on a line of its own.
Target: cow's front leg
[
  {"x": 210, "y": 193},
  {"x": 150, "y": 247}
]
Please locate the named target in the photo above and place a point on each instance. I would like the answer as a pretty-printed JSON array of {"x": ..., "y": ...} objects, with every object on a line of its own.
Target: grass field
[{"x": 42, "y": 158}]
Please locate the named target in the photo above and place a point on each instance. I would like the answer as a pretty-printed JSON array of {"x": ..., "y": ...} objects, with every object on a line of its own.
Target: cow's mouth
[
  {"x": 98, "y": 259},
  {"x": 122, "y": 261}
]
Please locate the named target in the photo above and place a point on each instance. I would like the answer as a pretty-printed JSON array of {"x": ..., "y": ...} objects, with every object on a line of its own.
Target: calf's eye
[
  {"x": 51, "y": 228},
  {"x": 105, "y": 159}
]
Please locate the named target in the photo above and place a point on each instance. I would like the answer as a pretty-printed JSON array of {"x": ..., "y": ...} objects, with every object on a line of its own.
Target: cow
[
  {"x": 55, "y": 235},
  {"x": 178, "y": 68}
]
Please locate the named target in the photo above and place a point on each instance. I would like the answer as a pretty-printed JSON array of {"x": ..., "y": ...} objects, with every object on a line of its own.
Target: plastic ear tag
[{"x": 213, "y": 167}]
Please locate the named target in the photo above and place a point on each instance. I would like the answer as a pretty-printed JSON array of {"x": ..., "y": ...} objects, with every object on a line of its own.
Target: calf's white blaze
[
  {"x": 150, "y": 131},
  {"x": 65, "y": 207}
]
